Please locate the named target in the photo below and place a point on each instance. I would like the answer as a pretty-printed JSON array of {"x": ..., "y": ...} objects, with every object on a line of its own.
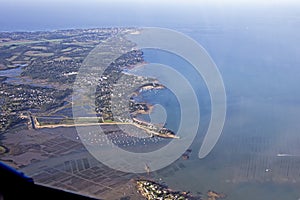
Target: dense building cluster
[
  {"x": 16, "y": 99},
  {"x": 154, "y": 191},
  {"x": 51, "y": 58},
  {"x": 108, "y": 80}
]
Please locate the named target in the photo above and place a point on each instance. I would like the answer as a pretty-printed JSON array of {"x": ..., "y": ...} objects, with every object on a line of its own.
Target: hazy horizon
[{"x": 51, "y": 15}]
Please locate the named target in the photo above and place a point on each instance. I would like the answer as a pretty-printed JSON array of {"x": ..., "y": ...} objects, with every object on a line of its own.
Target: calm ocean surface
[{"x": 259, "y": 68}]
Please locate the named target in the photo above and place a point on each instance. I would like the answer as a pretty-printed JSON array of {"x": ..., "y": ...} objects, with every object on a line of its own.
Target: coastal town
[
  {"x": 37, "y": 69},
  {"x": 61, "y": 55},
  {"x": 37, "y": 73}
]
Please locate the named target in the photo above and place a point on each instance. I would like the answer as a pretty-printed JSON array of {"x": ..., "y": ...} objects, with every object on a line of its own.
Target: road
[{"x": 36, "y": 124}]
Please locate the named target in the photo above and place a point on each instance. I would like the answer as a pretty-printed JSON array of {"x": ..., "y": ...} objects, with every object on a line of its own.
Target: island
[{"x": 152, "y": 190}]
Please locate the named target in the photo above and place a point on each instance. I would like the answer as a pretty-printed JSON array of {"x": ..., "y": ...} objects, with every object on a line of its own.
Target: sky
[
  {"x": 18, "y": 15},
  {"x": 160, "y": 1}
]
